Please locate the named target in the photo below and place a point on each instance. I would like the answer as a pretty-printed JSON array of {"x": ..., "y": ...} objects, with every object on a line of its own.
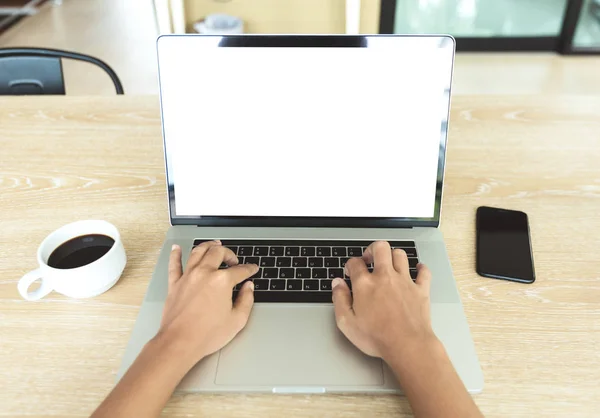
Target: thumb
[
  {"x": 423, "y": 277},
  {"x": 243, "y": 304},
  {"x": 342, "y": 303},
  {"x": 175, "y": 270}
]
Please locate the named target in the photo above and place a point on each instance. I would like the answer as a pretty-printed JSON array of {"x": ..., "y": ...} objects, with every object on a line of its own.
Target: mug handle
[{"x": 27, "y": 280}]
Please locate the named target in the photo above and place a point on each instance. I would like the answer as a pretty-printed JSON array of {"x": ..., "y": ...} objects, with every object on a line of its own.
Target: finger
[
  {"x": 400, "y": 260},
  {"x": 232, "y": 261},
  {"x": 199, "y": 251},
  {"x": 344, "y": 315},
  {"x": 241, "y": 272},
  {"x": 243, "y": 305},
  {"x": 355, "y": 267},
  {"x": 342, "y": 299},
  {"x": 367, "y": 256},
  {"x": 423, "y": 277},
  {"x": 216, "y": 255},
  {"x": 380, "y": 254},
  {"x": 175, "y": 269}
]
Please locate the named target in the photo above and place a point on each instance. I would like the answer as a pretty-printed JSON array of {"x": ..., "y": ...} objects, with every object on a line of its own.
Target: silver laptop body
[{"x": 278, "y": 120}]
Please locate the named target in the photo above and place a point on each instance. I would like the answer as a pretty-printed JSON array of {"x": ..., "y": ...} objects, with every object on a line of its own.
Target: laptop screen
[{"x": 279, "y": 131}]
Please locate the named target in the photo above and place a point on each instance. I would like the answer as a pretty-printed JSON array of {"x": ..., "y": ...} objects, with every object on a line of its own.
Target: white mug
[{"x": 81, "y": 282}]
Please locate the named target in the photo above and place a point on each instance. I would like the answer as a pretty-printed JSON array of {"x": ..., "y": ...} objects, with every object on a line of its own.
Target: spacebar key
[{"x": 275, "y": 296}]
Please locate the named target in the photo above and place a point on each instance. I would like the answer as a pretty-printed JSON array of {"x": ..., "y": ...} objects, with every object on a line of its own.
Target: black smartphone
[{"x": 504, "y": 245}]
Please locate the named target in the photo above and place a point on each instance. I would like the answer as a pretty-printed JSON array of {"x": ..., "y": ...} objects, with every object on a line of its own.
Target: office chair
[{"x": 26, "y": 71}]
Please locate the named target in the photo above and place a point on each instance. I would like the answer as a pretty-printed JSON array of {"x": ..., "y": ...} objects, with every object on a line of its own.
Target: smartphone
[{"x": 504, "y": 245}]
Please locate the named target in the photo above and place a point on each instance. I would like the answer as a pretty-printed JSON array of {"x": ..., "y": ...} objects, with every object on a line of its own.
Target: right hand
[{"x": 386, "y": 311}]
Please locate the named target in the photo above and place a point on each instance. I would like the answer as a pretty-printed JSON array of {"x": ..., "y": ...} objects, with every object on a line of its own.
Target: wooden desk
[{"x": 69, "y": 158}]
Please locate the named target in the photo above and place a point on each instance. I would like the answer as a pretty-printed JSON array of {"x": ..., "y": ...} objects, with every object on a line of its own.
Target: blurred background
[{"x": 504, "y": 46}]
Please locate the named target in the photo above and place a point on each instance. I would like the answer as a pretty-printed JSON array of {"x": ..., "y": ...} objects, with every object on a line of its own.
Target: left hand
[{"x": 199, "y": 316}]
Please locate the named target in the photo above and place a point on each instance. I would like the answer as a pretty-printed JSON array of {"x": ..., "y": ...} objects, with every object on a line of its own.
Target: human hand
[
  {"x": 199, "y": 314},
  {"x": 386, "y": 311}
]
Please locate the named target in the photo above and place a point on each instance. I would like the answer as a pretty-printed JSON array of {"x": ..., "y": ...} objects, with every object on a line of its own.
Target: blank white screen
[{"x": 318, "y": 132}]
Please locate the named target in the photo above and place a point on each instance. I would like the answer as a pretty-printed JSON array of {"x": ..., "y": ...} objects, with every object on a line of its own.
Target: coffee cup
[{"x": 81, "y": 260}]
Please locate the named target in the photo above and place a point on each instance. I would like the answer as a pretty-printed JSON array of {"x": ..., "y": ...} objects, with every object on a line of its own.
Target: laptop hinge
[{"x": 304, "y": 227}]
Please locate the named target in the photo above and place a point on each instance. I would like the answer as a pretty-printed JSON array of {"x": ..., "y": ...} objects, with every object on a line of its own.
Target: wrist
[
  {"x": 173, "y": 350},
  {"x": 407, "y": 353}
]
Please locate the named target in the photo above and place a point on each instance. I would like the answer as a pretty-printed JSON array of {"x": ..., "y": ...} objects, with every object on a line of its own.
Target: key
[
  {"x": 261, "y": 250},
  {"x": 413, "y": 274},
  {"x": 303, "y": 273},
  {"x": 319, "y": 273},
  {"x": 261, "y": 284},
  {"x": 403, "y": 244},
  {"x": 286, "y": 273},
  {"x": 234, "y": 249},
  {"x": 307, "y": 251},
  {"x": 299, "y": 262},
  {"x": 349, "y": 283},
  {"x": 370, "y": 269},
  {"x": 323, "y": 251},
  {"x": 333, "y": 273},
  {"x": 270, "y": 273},
  {"x": 267, "y": 261},
  {"x": 325, "y": 284},
  {"x": 244, "y": 251},
  {"x": 276, "y": 251},
  {"x": 315, "y": 262},
  {"x": 284, "y": 261},
  {"x": 251, "y": 260},
  {"x": 240, "y": 260},
  {"x": 355, "y": 252},
  {"x": 294, "y": 285},
  {"x": 339, "y": 251},
  {"x": 292, "y": 251},
  {"x": 277, "y": 285},
  {"x": 332, "y": 262},
  {"x": 411, "y": 252},
  {"x": 311, "y": 285},
  {"x": 343, "y": 262},
  {"x": 412, "y": 262},
  {"x": 257, "y": 275}
]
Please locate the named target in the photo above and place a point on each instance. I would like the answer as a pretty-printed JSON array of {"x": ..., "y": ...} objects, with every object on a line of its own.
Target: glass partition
[
  {"x": 587, "y": 31},
  {"x": 481, "y": 18},
  {"x": 566, "y": 26}
]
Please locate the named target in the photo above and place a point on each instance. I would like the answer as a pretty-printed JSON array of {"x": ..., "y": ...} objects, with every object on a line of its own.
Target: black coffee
[{"x": 80, "y": 251}]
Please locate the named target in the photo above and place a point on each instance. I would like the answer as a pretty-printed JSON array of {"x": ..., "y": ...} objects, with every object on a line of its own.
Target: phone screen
[{"x": 503, "y": 245}]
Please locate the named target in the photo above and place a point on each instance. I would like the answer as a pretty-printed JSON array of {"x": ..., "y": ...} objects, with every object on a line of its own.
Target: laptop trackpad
[{"x": 286, "y": 345}]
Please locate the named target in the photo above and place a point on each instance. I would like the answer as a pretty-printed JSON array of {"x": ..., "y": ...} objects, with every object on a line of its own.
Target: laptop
[{"x": 297, "y": 152}]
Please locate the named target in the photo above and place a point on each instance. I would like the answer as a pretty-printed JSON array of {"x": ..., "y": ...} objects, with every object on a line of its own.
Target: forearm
[
  {"x": 430, "y": 382},
  {"x": 148, "y": 384}
]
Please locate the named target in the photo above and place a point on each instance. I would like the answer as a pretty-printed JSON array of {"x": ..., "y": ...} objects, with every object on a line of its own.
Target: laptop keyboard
[{"x": 302, "y": 271}]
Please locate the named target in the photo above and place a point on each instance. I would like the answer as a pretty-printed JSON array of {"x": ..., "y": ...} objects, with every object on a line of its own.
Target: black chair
[{"x": 25, "y": 71}]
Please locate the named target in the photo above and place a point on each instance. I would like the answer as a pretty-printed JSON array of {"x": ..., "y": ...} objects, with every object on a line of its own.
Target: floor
[
  {"x": 123, "y": 32},
  {"x": 120, "y": 32}
]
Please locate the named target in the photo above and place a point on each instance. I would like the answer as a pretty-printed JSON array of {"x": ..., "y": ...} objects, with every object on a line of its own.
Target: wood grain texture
[{"x": 71, "y": 158}]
